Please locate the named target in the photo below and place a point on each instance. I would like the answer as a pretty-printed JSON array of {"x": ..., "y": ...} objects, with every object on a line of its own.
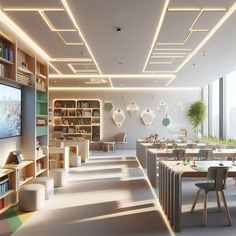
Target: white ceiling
[{"x": 90, "y": 45}]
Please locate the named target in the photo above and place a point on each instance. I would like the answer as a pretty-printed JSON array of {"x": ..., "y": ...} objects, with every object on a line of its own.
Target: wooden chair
[
  {"x": 120, "y": 139},
  {"x": 216, "y": 179}
]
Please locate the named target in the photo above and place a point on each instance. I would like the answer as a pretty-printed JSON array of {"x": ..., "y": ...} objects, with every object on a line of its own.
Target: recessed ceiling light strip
[
  {"x": 114, "y": 76},
  {"x": 170, "y": 53},
  {"x": 160, "y": 22},
  {"x": 50, "y": 24},
  {"x": 196, "y": 20},
  {"x": 68, "y": 43},
  {"x": 54, "y": 68},
  {"x": 71, "y": 59},
  {"x": 169, "y": 82},
  {"x": 197, "y": 9},
  {"x": 86, "y": 71},
  {"x": 110, "y": 82},
  {"x": 23, "y": 35},
  {"x": 172, "y": 49},
  {"x": 209, "y": 35},
  {"x": 72, "y": 68},
  {"x": 167, "y": 56},
  {"x": 67, "y": 8},
  {"x": 161, "y": 62},
  {"x": 123, "y": 88},
  {"x": 33, "y": 9}
]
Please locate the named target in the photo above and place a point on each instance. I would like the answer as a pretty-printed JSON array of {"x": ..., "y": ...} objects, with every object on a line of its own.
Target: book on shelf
[
  {"x": 41, "y": 122},
  {"x": 4, "y": 186}
]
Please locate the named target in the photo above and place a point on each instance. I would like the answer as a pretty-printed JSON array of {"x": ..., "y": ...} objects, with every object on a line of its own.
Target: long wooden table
[
  {"x": 154, "y": 154},
  {"x": 171, "y": 174}
]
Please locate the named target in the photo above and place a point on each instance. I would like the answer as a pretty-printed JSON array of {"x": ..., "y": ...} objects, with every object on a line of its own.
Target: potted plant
[{"x": 197, "y": 113}]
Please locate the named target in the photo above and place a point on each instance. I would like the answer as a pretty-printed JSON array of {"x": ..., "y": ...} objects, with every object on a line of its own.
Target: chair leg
[
  {"x": 226, "y": 208},
  {"x": 195, "y": 200},
  {"x": 218, "y": 200},
  {"x": 205, "y": 209}
]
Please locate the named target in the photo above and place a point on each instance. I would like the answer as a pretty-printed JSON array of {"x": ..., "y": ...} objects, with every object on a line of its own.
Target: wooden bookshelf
[
  {"x": 7, "y": 189},
  {"x": 41, "y": 87},
  {"x": 22, "y": 68},
  {"x": 77, "y": 118}
]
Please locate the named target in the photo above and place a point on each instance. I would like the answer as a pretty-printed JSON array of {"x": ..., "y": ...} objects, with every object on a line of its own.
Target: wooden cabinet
[
  {"x": 59, "y": 157},
  {"x": 77, "y": 118}
]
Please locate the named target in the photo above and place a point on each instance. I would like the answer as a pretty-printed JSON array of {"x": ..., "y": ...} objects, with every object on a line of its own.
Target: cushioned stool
[
  {"x": 59, "y": 175},
  {"x": 48, "y": 183},
  {"x": 75, "y": 160},
  {"x": 31, "y": 197}
]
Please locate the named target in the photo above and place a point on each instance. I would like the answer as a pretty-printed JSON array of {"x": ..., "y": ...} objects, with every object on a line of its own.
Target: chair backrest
[
  {"x": 179, "y": 154},
  {"x": 205, "y": 154},
  {"x": 218, "y": 175},
  {"x": 121, "y": 138}
]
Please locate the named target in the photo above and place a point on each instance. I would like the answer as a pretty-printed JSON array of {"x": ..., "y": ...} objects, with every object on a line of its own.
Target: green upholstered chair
[{"x": 216, "y": 179}]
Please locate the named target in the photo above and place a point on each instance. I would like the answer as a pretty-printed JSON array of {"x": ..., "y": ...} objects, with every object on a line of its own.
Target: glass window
[
  {"x": 230, "y": 115},
  {"x": 205, "y": 99},
  {"x": 215, "y": 108}
]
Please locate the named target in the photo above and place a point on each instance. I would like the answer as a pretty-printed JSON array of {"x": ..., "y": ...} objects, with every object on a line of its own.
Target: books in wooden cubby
[
  {"x": 7, "y": 57},
  {"x": 77, "y": 118},
  {"x": 7, "y": 189}
]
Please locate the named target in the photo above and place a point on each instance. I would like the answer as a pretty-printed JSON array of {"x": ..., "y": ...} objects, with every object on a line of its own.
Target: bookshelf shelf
[
  {"x": 5, "y": 61},
  {"x": 25, "y": 70},
  {"x": 40, "y": 172},
  {"x": 27, "y": 179},
  {"x": 6, "y": 194}
]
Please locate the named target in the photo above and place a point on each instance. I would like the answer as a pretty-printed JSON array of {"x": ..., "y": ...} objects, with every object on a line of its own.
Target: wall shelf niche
[{"x": 73, "y": 119}]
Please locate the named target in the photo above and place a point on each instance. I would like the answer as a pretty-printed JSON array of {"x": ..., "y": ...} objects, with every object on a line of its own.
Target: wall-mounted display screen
[{"x": 10, "y": 111}]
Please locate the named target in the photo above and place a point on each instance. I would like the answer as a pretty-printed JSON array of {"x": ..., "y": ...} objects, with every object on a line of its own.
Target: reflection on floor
[{"x": 108, "y": 195}]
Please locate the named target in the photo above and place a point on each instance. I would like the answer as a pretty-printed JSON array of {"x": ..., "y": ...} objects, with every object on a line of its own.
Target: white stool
[
  {"x": 59, "y": 175},
  {"x": 31, "y": 197},
  {"x": 75, "y": 160},
  {"x": 48, "y": 183}
]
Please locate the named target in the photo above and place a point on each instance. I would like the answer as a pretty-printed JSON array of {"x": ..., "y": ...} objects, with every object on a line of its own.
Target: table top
[
  {"x": 193, "y": 151},
  {"x": 201, "y": 167}
]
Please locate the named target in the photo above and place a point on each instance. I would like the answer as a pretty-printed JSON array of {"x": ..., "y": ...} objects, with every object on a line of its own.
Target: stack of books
[{"x": 24, "y": 77}]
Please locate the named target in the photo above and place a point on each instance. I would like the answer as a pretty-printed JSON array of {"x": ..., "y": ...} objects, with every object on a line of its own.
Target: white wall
[
  {"x": 8, "y": 145},
  {"x": 133, "y": 126}
]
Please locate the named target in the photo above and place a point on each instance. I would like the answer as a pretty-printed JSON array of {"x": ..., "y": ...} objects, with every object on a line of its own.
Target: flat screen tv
[{"x": 10, "y": 111}]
